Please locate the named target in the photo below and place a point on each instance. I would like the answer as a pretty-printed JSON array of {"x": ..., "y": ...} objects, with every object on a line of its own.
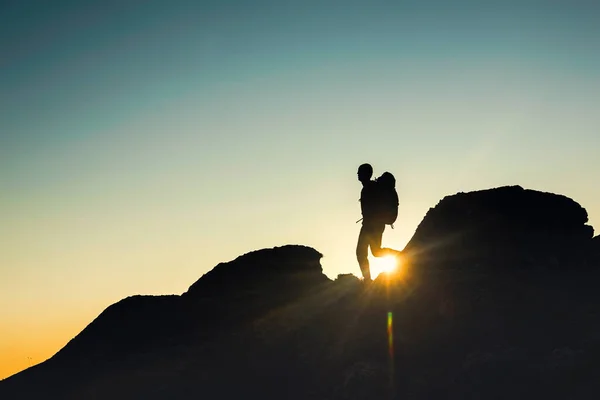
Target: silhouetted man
[{"x": 373, "y": 225}]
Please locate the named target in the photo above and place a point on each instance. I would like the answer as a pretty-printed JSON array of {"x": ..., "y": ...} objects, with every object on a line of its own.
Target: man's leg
[
  {"x": 362, "y": 253},
  {"x": 376, "y": 235}
]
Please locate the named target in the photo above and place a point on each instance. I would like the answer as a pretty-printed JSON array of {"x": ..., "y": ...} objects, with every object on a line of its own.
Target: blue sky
[{"x": 143, "y": 142}]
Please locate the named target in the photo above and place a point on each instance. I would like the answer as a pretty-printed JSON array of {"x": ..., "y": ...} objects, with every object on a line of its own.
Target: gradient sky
[{"x": 143, "y": 142}]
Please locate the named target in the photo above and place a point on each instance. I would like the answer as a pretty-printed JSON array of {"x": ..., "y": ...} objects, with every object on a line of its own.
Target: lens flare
[{"x": 390, "y": 332}]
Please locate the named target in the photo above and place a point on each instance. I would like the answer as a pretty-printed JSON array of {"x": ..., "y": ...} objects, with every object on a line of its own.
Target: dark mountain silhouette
[{"x": 472, "y": 316}]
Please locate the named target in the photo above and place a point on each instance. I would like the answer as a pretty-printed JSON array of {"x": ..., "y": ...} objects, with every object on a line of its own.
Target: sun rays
[{"x": 384, "y": 264}]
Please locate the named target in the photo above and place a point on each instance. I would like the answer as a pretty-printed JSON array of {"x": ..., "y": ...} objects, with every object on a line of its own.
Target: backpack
[{"x": 387, "y": 198}]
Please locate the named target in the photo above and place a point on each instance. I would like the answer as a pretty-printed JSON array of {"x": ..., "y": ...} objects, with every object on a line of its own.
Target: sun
[{"x": 383, "y": 264}]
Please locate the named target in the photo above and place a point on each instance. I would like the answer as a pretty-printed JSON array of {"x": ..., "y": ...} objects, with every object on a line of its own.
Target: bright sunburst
[{"x": 382, "y": 264}]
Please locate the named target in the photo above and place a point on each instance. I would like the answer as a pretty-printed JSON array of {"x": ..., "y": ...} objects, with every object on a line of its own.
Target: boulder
[
  {"x": 507, "y": 227},
  {"x": 264, "y": 272}
]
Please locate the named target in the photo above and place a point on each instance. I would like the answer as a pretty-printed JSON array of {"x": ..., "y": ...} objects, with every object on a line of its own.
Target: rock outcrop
[
  {"x": 265, "y": 273},
  {"x": 507, "y": 227}
]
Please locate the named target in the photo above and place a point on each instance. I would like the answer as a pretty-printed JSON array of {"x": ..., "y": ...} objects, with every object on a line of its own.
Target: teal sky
[{"x": 143, "y": 142}]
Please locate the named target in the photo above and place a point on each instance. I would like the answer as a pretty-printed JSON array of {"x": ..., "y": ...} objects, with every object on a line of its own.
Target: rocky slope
[{"x": 455, "y": 323}]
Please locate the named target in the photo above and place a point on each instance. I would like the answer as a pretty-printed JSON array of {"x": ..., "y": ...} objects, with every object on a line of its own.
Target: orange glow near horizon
[{"x": 26, "y": 344}]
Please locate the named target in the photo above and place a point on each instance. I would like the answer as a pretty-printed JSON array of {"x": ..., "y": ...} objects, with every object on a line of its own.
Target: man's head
[{"x": 365, "y": 172}]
